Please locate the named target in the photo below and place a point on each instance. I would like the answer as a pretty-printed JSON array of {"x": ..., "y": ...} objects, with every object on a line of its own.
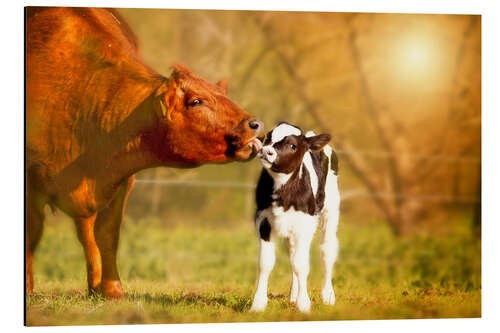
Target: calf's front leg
[{"x": 267, "y": 258}]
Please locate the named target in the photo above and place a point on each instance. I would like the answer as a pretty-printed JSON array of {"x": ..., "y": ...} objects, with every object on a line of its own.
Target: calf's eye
[{"x": 293, "y": 146}]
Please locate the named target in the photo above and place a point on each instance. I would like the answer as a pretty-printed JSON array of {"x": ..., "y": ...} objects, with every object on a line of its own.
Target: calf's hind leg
[
  {"x": 299, "y": 256},
  {"x": 107, "y": 230},
  {"x": 294, "y": 289},
  {"x": 329, "y": 247}
]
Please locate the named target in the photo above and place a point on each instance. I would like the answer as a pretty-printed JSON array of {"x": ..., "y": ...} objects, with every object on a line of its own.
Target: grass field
[{"x": 205, "y": 274}]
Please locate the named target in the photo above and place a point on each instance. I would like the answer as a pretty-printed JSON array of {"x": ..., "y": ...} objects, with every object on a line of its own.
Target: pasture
[
  {"x": 407, "y": 131},
  {"x": 188, "y": 272}
]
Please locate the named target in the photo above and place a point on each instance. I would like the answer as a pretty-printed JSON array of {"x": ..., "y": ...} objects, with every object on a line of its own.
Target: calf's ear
[
  {"x": 317, "y": 142},
  {"x": 223, "y": 84}
]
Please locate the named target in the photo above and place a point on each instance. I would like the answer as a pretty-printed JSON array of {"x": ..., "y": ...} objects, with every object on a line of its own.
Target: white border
[
  {"x": 12, "y": 164},
  {"x": 385, "y": 6}
]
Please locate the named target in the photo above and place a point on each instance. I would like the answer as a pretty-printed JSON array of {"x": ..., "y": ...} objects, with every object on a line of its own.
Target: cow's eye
[
  {"x": 195, "y": 102},
  {"x": 293, "y": 146}
]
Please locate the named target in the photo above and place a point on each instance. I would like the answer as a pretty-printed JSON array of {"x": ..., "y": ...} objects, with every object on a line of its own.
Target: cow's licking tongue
[
  {"x": 256, "y": 144},
  {"x": 249, "y": 150}
]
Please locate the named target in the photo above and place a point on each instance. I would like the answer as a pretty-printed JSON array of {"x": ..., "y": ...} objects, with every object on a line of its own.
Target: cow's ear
[
  {"x": 170, "y": 96},
  {"x": 180, "y": 70},
  {"x": 317, "y": 142},
  {"x": 223, "y": 84}
]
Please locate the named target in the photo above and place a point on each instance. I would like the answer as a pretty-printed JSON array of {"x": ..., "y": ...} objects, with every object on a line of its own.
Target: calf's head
[
  {"x": 201, "y": 124},
  {"x": 284, "y": 148}
]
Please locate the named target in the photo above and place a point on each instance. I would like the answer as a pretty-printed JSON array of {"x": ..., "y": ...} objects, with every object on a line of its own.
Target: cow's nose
[{"x": 255, "y": 124}]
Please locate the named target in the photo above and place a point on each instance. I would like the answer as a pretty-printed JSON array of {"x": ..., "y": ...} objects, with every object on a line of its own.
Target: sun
[{"x": 416, "y": 57}]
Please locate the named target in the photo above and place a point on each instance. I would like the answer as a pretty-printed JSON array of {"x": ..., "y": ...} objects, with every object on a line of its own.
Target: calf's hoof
[
  {"x": 258, "y": 305},
  {"x": 111, "y": 289},
  {"x": 304, "y": 305},
  {"x": 328, "y": 296}
]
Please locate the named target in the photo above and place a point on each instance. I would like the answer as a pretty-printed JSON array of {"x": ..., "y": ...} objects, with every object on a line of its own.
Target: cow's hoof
[
  {"x": 29, "y": 285},
  {"x": 112, "y": 289}
]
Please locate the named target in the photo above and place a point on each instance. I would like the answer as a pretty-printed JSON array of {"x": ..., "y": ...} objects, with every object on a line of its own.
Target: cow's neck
[{"x": 128, "y": 148}]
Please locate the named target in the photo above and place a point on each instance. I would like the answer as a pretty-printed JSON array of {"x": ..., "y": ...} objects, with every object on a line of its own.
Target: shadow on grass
[
  {"x": 73, "y": 296},
  {"x": 235, "y": 302}
]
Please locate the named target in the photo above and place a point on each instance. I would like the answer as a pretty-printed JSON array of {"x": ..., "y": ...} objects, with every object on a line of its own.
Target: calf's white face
[{"x": 284, "y": 148}]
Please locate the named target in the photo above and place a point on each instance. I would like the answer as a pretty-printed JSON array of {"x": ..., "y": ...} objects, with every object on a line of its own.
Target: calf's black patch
[
  {"x": 297, "y": 193},
  {"x": 289, "y": 159},
  {"x": 320, "y": 164},
  {"x": 265, "y": 230},
  {"x": 264, "y": 192},
  {"x": 335, "y": 163}
]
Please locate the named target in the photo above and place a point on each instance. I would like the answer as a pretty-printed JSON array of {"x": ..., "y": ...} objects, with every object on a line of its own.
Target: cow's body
[
  {"x": 296, "y": 193},
  {"x": 96, "y": 114}
]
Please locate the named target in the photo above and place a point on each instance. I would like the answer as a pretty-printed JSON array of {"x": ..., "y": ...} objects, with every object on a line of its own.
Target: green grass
[{"x": 206, "y": 274}]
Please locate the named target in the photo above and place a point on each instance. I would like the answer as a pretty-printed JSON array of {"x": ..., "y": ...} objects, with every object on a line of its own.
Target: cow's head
[{"x": 202, "y": 125}]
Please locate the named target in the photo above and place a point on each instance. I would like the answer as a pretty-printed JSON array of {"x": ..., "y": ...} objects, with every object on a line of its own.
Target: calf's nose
[{"x": 256, "y": 125}]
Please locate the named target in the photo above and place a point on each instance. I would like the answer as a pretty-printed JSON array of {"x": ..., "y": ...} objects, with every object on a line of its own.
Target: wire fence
[
  {"x": 344, "y": 195},
  {"x": 414, "y": 156},
  {"x": 347, "y": 194}
]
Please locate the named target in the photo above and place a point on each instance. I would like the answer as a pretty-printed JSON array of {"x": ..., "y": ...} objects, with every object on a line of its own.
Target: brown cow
[{"x": 96, "y": 114}]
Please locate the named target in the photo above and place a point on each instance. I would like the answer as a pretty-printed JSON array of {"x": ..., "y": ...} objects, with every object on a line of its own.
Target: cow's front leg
[
  {"x": 267, "y": 259},
  {"x": 85, "y": 231},
  {"x": 34, "y": 227},
  {"x": 107, "y": 231}
]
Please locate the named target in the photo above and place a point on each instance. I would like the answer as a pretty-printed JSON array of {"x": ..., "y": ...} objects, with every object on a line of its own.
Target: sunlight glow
[{"x": 416, "y": 57}]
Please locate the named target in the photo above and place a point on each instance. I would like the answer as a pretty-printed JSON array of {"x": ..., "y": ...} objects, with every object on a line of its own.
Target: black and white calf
[{"x": 297, "y": 191}]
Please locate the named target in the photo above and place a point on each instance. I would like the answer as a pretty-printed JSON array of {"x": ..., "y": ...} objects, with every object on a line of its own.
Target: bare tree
[{"x": 393, "y": 189}]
